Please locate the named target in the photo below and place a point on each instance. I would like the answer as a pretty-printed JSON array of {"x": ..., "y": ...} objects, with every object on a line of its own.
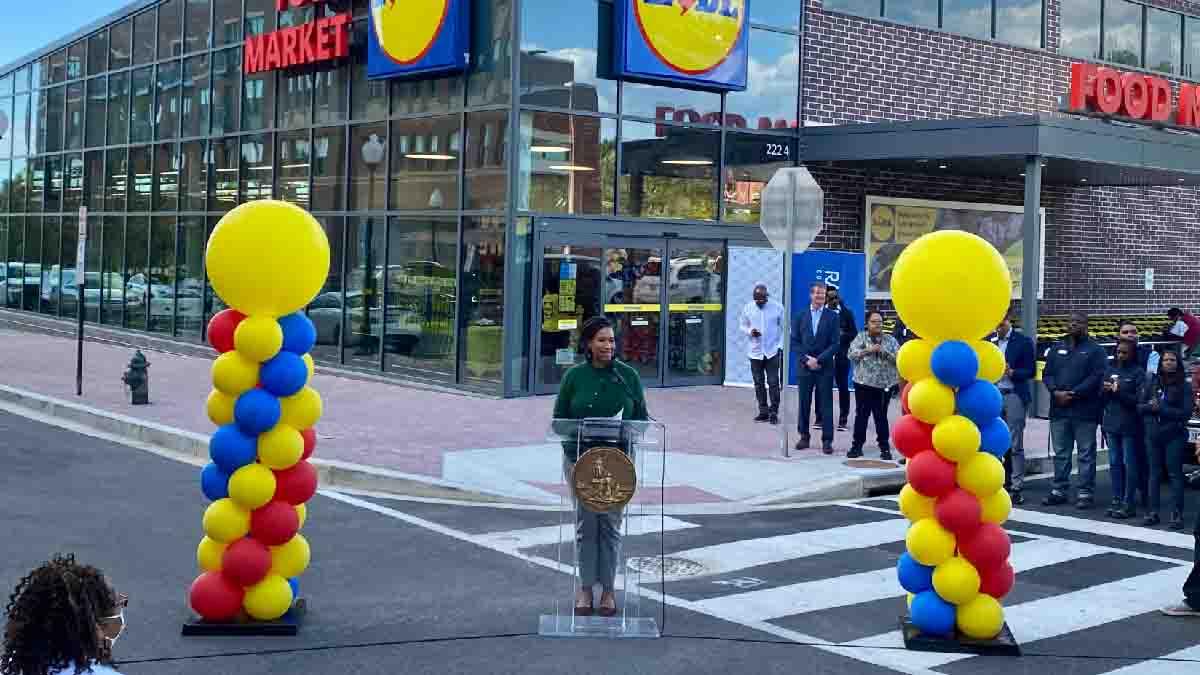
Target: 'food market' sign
[
  {"x": 1136, "y": 96},
  {"x": 321, "y": 40}
]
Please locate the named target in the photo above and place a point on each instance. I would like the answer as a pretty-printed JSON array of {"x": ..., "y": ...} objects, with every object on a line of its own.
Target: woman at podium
[{"x": 604, "y": 387}]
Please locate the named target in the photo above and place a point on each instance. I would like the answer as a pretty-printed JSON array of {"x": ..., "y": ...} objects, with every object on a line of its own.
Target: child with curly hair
[{"x": 63, "y": 619}]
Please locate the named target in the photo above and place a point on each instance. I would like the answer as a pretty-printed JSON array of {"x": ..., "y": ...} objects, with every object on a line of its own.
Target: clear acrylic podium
[{"x": 598, "y": 484}]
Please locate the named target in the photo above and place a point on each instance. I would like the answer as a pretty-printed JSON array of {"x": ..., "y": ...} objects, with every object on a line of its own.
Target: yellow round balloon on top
[
  {"x": 951, "y": 285},
  {"x": 991, "y": 361},
  {"x": 267, "y": 257}
]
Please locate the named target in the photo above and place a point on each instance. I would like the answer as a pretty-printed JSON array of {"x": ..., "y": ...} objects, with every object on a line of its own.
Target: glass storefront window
[
  {"x": 141, "y": 173},
  {"x": 564, "y": 63},
  {"x": 20, "y": 125},
  {"x": 118, "y": 108},
  {"x": 37, "y": 185},
  {"x": 141, "y": 110},
  {"x": 54, "y": 184},
  {"x": 50, "y": 270},
  {"x": 1079, "y": 28},
  {"x": 22, "y": 81},
  {"x": 294, "y": 163},
  {"x": 769, "y": 101},
  {"x": 6, "y": 142},
  {"x": 257, "y": 166},
  {"x": 750, "y": 161},
  {"x": 1123, "y": 32},
  {"x": 76, "y": 55},
  {"x": 6, "y": 89},
  {"x": 212, "y": 301},
  {"x": 97, "y": 105},
  {"x": 668, "y": 172},
  {"x": 226, "y": 90},
  {"x": 481, "y": 317},
  {"x": 19, "y": 186},
  {"x": 258, "y": 101},
  {"x": 166, "y": 119},
  {"x": 780, "y": 13},
  {"x": 368, "y": 98},
  {"x": 67, "y": 290},
  {"x": 362, "y": 330},
  {"x": 861, "y": 7},
  {"x": 97, "y": 60},
  {"x": 227, "y": 22},
  {"x": 120, "y": 45},
  {"x": 143, "y": 38},
  {"x": 193, "y": 175},
  {"x": 196, "y": 97},
  {"x": 260, "y": 16},
  {"x": 15, "y": 265},
  {"x": 425, "y": 159},
  {"x": 486, "y": 152},
  {"x": 55, "y": 105},
  {"x": 58, "y": 67},
  {"x": 917, "y": 12},
  {"x": 1191, "y": 55},
  {"x": 73, "y": 183},
  {"x": 93, "y": 166},
  {"x": 1163, "y": 49},
  {"x": 94, "y": 261},
  {"x": 295, "y": 100},
  {"x": 6, "y": 187},
  {"x": 167, "y": 162},
  {"x": 116, "y": 164},
  {"x": 189, "y": 289},
  {"x": 74, "y": 120},
  {"x": 420, "y": 302},
  {"x": 567, "y": 164},
  {"x": 368, "y": 167},
  {"x": 329, "y": 169},
  {"x": 674, "y": 105},
  {"x": 37, "y": 121},
  {"x": 31, "y": 292},
  {"x": 136, "y": 274},
  {"x": 170, "y": 29},
  {"x": 197, "y": 28},
  {"x": 296, "y": 16},
  {"x": 112, "y": 263},
  {"x": 427, "y": 96},
  {"x": 331, "y": 95},
  {"x": 968, "y": 17},
  {"x": 325, "y": 311},
  {"x": 1019, "y": 22},
  {"x": 162, "y": 275},
  {"x": 488, "y": 82}
]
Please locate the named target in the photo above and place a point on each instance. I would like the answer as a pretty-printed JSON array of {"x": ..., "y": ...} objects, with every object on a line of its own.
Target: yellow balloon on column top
[
  {"x": 913, "y": 360},
  {"x": 931, "y": 401}
]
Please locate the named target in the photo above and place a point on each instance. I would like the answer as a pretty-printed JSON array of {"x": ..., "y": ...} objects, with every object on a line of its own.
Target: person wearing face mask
[
  {"x": 63, "y": 619},
  {"x": 1165, "y": 401}
]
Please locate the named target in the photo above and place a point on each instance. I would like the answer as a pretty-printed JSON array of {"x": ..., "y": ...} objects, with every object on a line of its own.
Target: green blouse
[{"x": 587, "y": 391}]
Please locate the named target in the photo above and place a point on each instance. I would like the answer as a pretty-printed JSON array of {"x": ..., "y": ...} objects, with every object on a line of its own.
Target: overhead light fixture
[
  {"x": 1022, "y": 173},
  {"x": 942, "y": 166},
  {"x": 922, "y": 161},
  {"x": 1082, "y": 180},
  {"x": 688, "y": 162},
  {"x": 570, "y": 167},
  {"x": 1180, "y": 180},
  {"x": 549, "y": 148},
  {"x": 426, "y": 155}
]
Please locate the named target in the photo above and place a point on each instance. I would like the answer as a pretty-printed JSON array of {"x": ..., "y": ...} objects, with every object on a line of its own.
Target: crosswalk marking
[
  {"x": 1167, "y": 664},
  {"x": 550, "y": 534},
  {"x": 1106, "y": 528}
]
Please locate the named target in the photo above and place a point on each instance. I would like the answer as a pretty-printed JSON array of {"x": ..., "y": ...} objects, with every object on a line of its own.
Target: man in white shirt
[{"x": 762, "y": 320}]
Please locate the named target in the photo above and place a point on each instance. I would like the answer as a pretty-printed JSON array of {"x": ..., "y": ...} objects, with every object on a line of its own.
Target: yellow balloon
[
  {"x": 252, "y": 486},
  {"x": 269, "y": 599},
  {"x": 220, "y": 407},
  {"x": 981, "y": 475},
  {"x": 291, "y": 559},
  {"x": 209, "y": 554},
  {"x": 991, "y": 361},
  {"x": 929, "y": 543},
  {"x": 267, "y": 257},
  {"x": 996, "y": 507},
  {"x": 956, "y": 581},
  {"x": 280, "y": 447},
  {"x": 951, "y": 285},
  {"x": 258, "y": 338},
  {"x": 225, "y": 521},
  {"x": 312, "y": 367},
  {"x": 955, "y": 438},
  {"x": 233, "y": 374},
  {"x": 302, "y": 512},
  {"x": 931, "y": 401},
  {"x": 913, "y": 360},
  {"x": 914, "y": 505},
  {"x": 302, "y": 409},
  {"x": 982, "y": 618}
]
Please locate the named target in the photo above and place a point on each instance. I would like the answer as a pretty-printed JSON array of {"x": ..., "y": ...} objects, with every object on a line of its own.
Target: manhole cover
[
  {"x": 870, "y": 464},
  {"x": 668, "y": 566}
]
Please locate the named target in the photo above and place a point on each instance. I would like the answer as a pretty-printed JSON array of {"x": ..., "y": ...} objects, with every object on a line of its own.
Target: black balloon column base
[
  {"x": 1003, "y": 644},
  {"x": 288, "y": 624}
]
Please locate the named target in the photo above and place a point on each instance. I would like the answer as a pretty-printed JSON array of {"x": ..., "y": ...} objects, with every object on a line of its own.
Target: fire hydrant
[{"x": 137, "y": 378}]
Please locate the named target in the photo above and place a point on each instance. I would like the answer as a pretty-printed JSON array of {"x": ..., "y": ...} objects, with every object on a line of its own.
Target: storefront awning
[{"x": 1073, "y": 150}]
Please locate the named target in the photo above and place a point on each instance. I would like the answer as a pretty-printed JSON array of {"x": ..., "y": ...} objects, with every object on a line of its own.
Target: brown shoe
[{"x": 607, "y": 609}]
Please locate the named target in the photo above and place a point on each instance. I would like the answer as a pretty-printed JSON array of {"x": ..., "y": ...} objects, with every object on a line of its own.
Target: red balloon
[
  {"x": 246, "y": 561},
  {"x": 986, "y": 547},
  {"x": 904, "y": 398},
  {"x": 275, "y": 523},
  {"x": 931, "y": 475},
  {"x": 215, "y": 597},
  {"x": 221, "y": 328},
  {"x": 910, "y": 436},
  {"x": 310, "y": 442},
  {"x": 997, "y": 581},
  {"x": 958, "y": 511},
  {"x": 297, "y": 484}
]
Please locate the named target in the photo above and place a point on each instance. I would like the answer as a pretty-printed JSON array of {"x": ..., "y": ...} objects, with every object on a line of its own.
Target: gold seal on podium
[{"x": 604, "y": 480}]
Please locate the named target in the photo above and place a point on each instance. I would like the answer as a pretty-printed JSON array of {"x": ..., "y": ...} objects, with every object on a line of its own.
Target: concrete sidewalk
[{"x": 392, "y": 436}]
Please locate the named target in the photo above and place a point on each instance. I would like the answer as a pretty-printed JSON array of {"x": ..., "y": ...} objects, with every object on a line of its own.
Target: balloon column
[
  {"x": 266, "y": 260},
  {"x": 952, "y": 288}
]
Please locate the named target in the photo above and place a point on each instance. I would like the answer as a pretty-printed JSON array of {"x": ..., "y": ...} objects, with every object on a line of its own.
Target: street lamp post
[{"x": 372, "y": 155}]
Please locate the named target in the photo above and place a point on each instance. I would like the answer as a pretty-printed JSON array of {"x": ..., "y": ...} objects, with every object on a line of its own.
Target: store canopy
[{"x": 1073, "y": 150}]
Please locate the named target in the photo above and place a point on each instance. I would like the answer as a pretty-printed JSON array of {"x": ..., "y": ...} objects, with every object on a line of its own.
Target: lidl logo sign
[
  {"x": 417, "y": 37},
  {"x": 692, "y": 43}
]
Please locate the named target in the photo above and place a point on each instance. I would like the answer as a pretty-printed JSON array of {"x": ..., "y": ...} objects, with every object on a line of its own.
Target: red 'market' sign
[
  {"x": 1133, "y": 95},
  {"x": 321, "y": 40}
]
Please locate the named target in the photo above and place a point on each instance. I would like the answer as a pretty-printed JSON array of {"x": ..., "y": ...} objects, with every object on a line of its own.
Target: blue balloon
[
  {"x": 231, "y": 449},
  {"x": 214, "y": 482},
  {"x": 256, "y": 411},
  {"x": 284, "y": 375},
  {"x": 955, "y": 363},
  {"x": 295, "y": 584},
  {"x": 979, "y": 401},
  {"x": 994, "y": 437},
  {"x": 931, "y": 614},
  {"x": 914, "y": 577},
  {"x": 299, "y": 333}
]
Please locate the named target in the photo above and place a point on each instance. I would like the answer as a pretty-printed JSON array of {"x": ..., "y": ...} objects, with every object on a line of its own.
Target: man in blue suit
[
  {"x": 815, "y": 340},
  {"x": 1020, "y": 365}
]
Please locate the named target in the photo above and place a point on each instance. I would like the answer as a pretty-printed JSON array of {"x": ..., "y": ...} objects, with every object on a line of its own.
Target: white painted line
[
  {"x": 822, "y": 594},
  {"x": 1167, "y": 664},
  {"x": 1105, "y": 528},
  {"x": 551, "y": 534}
]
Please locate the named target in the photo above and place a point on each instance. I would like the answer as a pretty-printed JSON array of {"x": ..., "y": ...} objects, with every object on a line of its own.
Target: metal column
[{"x": 1031, "y": 246}]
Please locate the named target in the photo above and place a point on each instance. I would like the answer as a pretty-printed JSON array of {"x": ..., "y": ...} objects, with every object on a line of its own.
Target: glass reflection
[
  {"x": 329, "y": 169},
  {"x": 673, "y": 105},
  {"x": 1191, "y": 57},
  {"x": 73, "y": 178},
  {"x": 258, "y": 101},
  {"x": 425, "y": 160},
  {"x": 55, "y": 104},
  {"x": 969, "y": 17},
  {"x": 167, "y": 168},
  {"x": 363, "y": 327},
  {"x": 189, "y": 294},
  {"x": 120, "y": 39},
  {"x": 197, "y": 23},
  {"x": 37, "y": 185},
  {"x": 193, "y": 175},
  {"x": 112, "y": 262},
  {"x": 170, "y": 29},
  {"x": 118, "y": 109},
  {"x": 74, "y": 121},
  {"x": 20, "y": 125},
  {"x": 420, "y": 307},
  {"x": 567, "y": 163},
  {"x": 769, "y": 101},
  {"x": 223, "y": 173},
  {"x": 331, "y": 97},
  {"x": 62, "y": 280},
  {"x": 482, "y": 296},
  {"x": 257, "y": 166},
  {"x": 295, "y": 99},
  {"x": 486, "y": 151},
  {"x": 561, "y": 63},
  {"x": 162, "y": 276},
  {"x": 137, "y": 286},
  {"x": 1163, "y": 48},
  {"x": 426, "y": 96},
  {"x": 1019, "y": 22},
  {"x": 1079, "y": 28},
  {"x": 141, "y": 116},
  {"x": 15, "y": 265},
  {"x": 94, "y": 167},
  {"x": 142, "y": 176},
  {"x": 97, "y": 53},
  {"x": 97, "y": 106},
  {"x": 48, "y": 270},
  {"x": 143, "y": 38},
  {"x": 54, "y": 184},
  {"x": 195, "y": 96},
  {"x": 668, "y": 172},
  {"x": 294, "y": 163},
  {"x": 227, "y": 92},
  {"x": 750, "y": 161},
  {"x": 368, "y": 162},
  {"x": 116, "y": 162},
  {"x": 166, "y": 118},
  {"x": 491, "y": 48},
  {"x": 1123, "y": 32},
  {"x": 325, "y": 311},
  {"x": 918, "y": 12}
]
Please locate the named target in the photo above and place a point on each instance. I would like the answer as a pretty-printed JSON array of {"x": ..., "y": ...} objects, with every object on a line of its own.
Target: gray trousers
[
  {"x": 1067, "y": 434},
  {"x": 1014, "y": 417},
  {"x": 597, "y": 542}
]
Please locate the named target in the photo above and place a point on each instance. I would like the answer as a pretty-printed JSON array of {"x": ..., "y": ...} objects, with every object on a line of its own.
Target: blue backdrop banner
[{"x": 847, "y": 271}]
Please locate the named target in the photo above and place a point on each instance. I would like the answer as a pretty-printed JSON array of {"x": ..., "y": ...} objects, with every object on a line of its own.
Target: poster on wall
[
  {"x": 833, "y": 268},
  {"x": 893, "y": 223},
  {"x": 747, "y": 267}
]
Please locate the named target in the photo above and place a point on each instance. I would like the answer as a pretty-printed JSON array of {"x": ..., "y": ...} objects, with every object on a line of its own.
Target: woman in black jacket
[
  {"x": 1121, "y": 426},
  {"x": 1166, "y": 405}
]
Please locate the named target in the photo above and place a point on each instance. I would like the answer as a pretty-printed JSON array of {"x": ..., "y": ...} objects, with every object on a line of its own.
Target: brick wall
[{"x": 1098, "y": 240}]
